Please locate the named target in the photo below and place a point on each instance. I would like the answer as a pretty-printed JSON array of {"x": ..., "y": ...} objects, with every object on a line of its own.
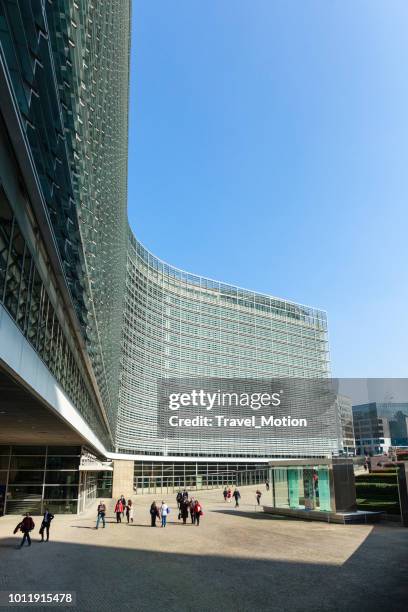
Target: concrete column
[{"x": 123, "y": 474}]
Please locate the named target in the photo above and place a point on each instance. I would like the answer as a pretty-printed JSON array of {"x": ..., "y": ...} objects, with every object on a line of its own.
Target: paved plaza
[{"x": 240, "y": 560}]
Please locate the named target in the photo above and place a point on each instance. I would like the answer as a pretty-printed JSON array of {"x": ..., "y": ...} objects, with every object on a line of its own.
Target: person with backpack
[
  {"x": 164, "y": 512},
  {"x": 154, "y": 514},
  {"x": 101, "y": 514},
  {"x": 258, "y": 496},
  {"x": 119, "y": 510},
  {"x": 198, "y": 511},
  {"x": 45, "y": 525},
  {"x": 26, "y": 525},
  {"x": 237, "y": 496}
]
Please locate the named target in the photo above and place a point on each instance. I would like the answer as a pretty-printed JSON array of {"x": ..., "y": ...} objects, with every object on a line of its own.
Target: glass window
[
  {"x": 26, "y": 477},
  {"x": 23, "y": 492},
  {"x": 28, "y": 450},
  {"x": 62, "y": 477},
  {"x": 281, "y": 488},
  {"x": 27, "y": 463},
  {"x": 63, "y": 507},
  {"x": 6, "y": 220},
  {"x": 63, "y": 492},
  {"x": 4, "y": 462},
  {"x": 62, "y": 463}
]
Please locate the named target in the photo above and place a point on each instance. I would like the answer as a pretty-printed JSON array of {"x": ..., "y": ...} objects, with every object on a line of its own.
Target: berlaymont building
[{"x": 90, "y": 320}]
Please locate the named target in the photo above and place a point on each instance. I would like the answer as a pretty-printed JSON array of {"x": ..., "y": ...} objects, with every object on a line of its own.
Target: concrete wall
[{"x": 123, "y": 474}]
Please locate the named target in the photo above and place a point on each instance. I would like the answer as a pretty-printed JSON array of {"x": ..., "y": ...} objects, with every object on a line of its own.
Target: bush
[
  {"x": 377, "y": 490},
  {"x": 379, "y": 477},
  {"x": 390, "y": 507}
]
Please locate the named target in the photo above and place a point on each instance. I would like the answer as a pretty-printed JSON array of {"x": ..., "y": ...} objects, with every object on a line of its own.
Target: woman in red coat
[
  {"x": 119, "y": 510},
  {"x": 198, "y": 511}
]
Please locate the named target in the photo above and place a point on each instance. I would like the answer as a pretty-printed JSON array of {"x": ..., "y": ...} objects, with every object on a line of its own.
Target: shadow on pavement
[{"x": 107, "y": 577}]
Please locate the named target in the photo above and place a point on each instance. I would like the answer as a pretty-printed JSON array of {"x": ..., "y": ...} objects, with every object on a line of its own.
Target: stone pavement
[{"x": 241, "y": 560}]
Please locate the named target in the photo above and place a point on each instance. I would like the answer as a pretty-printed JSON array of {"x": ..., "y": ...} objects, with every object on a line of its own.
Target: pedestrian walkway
[{"x": 237, "y": 559}]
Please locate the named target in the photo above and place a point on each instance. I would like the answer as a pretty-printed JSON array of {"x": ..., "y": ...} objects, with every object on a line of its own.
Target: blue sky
[{"x": 269, "y": 148}]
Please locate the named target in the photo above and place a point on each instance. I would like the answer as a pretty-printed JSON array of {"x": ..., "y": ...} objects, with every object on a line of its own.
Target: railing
[{"x": 145, "y": 485}]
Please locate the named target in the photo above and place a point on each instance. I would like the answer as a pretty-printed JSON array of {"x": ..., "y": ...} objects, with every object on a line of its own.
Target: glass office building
[
  {"x": 89, "y": 319},
  {"x": 182, "y": 325},
  {"x": 64, "y": 75},
  {"x": 379, "y": 426}
]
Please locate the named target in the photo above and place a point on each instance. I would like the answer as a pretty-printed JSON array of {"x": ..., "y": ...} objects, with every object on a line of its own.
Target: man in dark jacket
[
  {"x": 179, "y": 499},
  {"x": 184, "y": 506},
  {"x": 237, "y": 496},
  {"x": 45, "y": 525},
  {"x": 26, "y": 525}
]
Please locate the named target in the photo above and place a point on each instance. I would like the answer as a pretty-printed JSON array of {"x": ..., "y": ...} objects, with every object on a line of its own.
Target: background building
[
  {"x": 379, "y": 425},
  {"x": 345, "y": 416}
]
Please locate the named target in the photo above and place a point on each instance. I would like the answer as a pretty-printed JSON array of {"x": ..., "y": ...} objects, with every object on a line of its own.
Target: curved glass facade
[{"x": 183, "y": 325}]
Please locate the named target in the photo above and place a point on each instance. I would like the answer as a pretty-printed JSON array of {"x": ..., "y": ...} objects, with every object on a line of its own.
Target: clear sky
[{"x": 269, "y": 149}]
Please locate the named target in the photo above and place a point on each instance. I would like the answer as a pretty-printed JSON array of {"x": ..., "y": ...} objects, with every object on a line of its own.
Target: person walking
[
  {"x": 129, "y": 511},
  {"x": 267, "y": 484},
  {"x": 184, "y": 506},
  {"x": 164, "y": 512},
  {"x": 192, "y": 510},
  {"x": 154, "y": 514},
  {"x": 123, "y": 500},
  {"x": 101, "y": 512},
  {"x": 179, "y": 499},
  {"x": 119, "y": 510},
  {"x": 26, "y": 525},
  {"x": 229, "y": 495},
  {"x": 237, "y": 496},
  {"x": 45, "y": 525},
  {"x": 258, "y": 496},
  {"x": 225, "y": 494},
  {"x": 198, "y": 512}
]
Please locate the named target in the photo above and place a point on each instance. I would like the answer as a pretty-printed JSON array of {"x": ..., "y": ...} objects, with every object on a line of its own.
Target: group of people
[
  {"x": 157, "y": 512},
  {"x": 188, "y": 507},
  {"x": 228, "y": 495},
  {"x": 124, "y": 508},
  {"x": 27, "y": 525}
]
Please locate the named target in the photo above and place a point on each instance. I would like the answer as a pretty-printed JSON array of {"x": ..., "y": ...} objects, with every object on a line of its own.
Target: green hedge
[
  {"x": 380, "y": 490},
  {"x": 380, "y": 477},
  {"x": 390, "y": 507}
]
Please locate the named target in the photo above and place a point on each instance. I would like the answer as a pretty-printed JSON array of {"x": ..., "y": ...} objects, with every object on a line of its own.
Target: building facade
[
  {"x": 89, "y": 319},
  {"x": 179, "y": 325}
]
